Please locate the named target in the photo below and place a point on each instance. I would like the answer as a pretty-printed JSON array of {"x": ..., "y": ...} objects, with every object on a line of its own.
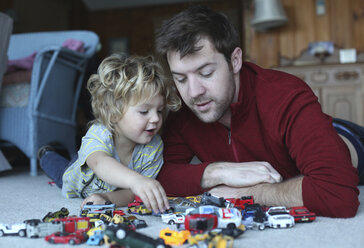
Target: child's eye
[{"x": 144, "y": 112}]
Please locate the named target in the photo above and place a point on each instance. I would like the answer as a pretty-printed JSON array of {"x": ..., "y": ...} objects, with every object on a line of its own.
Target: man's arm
[{"x": 287, "y": 193}]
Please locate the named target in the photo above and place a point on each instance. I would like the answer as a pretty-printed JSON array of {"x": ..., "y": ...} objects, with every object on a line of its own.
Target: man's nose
[{"x": 195, "y": 88}]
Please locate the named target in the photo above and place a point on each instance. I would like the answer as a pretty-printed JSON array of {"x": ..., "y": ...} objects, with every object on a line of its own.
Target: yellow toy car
[
  {"x": 171, "y": 237},
  {"x": 142, "y": 210}
]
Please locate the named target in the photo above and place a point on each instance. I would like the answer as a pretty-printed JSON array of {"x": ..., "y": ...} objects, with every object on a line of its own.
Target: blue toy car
[{"x": 97, "y": 238}]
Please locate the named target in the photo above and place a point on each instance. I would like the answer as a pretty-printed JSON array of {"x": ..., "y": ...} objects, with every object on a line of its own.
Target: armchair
[
  {"x": 353, "y": 136},
  {"x": 56, "y": 80}
]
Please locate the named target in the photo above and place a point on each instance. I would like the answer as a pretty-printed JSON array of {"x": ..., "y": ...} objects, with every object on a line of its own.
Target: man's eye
[
  {"x": 180, "y": 80},
  {"x": 207, "y": 75}
]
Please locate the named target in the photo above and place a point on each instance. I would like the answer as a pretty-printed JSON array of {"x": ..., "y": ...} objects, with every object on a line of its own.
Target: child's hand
[
  {"x": 95, "y": 199},
  {"x": 152, "y": 193}
]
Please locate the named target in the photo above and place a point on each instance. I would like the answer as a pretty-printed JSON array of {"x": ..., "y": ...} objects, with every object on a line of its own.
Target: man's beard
[{"x": 221, "y": 107}]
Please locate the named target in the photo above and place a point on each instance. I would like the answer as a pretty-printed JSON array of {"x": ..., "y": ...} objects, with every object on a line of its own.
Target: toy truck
[{"x": 42, "y": 229}]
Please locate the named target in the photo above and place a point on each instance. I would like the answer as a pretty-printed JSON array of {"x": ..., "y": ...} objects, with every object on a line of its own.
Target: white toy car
[
  {"x": 172, "y": 218},
  {"x": 16, "y": 229},
  {"x": 226, "y": 217},
  {"x": 279, "y": 217}
]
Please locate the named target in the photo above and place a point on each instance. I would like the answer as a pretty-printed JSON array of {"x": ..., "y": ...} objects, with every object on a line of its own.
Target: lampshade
[{"x": 268, "y": 14}]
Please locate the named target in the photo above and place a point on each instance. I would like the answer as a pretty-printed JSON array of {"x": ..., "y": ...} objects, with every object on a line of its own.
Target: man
[{"x": 250, "y": 127}]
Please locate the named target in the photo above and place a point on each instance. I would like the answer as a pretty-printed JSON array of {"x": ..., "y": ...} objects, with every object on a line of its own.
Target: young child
[{"x": 121, "y": 153}]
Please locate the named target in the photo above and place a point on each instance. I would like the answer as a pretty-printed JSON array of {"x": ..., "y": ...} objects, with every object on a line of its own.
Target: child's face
[{"x": 141, "y": 121}]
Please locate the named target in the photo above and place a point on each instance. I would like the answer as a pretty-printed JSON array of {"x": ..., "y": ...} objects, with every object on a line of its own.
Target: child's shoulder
[{"x": 99, "y": 130}]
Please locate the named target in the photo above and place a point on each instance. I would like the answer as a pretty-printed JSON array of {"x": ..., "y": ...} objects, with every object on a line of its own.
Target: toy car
[
  {"x": 123, "y": 236},
  {"x": 241, "y": 202},
  {"x": 15, "y": 229},
  {"x": 174, "y": 237},
  {"x": 253, "y": 217},
  {"x": 137, "y": 202},
  {"x": 138, "y": 223},
  {"x": 173, "y": 218},
  {"x": 199, "y": 223},
  {"x": 117, "y": 219},
  {"x": 220, "y": 240},
  {"x": 196, "y": 199},
  {"x": 227, "y": 217},
  {"x": 42, "y": 229},
  {"x": 119, "y": 212},
  {"x": 278, "y": 217},
  {"x": 64, "y": 237},
  {"x": 302, "y": 214},
  {"x": 181, "y": 204},
  {"x": 142, "y": 210},
  {"x": 63, "y": 212},
  {"x": 105, "y": 218},
  {"x": 73, "y": 224},
  {"x": 208, "y": 199},
  {"x": 94, "y": 210},
  {"x": 97, "y": 238},
  {"x": 233, "y": 232},
  {"x": 32, "y": 221}
]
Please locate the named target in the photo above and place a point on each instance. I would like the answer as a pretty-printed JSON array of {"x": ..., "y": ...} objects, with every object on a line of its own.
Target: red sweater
[{"x": 276, "y": 119}]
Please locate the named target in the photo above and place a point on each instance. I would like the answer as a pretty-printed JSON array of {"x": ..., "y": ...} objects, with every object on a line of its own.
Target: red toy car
[
  {"x": 199, "y": 223},
  {"x": 75, "y": 224},
  {"x": 66, "y": 238},
  {"x": 137, "y": 202},
  {"x": 240, "y": 202},
  {"x": 302, "y": 214}
]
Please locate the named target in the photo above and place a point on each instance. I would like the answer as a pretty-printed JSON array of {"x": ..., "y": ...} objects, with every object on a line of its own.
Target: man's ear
[{"x": 237, "y": 59}]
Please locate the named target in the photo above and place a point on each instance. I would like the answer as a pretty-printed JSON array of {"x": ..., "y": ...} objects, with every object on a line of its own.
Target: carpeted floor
[{"x": 23, "y": 197}]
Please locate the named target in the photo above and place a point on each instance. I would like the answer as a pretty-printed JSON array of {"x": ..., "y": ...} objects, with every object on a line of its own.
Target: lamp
[{"x": 268, "y": 14}]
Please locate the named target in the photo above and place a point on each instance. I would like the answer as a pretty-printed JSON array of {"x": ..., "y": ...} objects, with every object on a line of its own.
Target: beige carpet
[{"x": 25, "y": 197}]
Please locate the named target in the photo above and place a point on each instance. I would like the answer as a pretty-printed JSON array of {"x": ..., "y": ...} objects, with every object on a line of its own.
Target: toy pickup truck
[{"x": 15, "y": 229}]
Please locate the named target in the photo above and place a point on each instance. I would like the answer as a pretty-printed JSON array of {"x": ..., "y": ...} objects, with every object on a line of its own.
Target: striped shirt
[{"x": 80, "y": 181}]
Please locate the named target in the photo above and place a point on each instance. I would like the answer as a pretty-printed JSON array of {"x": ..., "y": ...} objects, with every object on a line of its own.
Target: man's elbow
[
  {"x": 339, "y": 207},
  {"x": 330, "y": 200}
]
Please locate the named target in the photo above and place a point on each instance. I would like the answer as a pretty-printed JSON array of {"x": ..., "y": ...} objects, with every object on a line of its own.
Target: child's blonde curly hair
[{"x": 125, "y": 81}]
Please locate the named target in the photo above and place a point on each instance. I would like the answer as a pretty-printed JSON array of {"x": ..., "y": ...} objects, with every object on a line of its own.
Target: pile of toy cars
[{"x": 201, "y": 221}]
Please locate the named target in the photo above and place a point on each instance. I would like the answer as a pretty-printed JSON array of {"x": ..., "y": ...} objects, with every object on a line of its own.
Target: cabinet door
[{"x": 342, "y": 102}]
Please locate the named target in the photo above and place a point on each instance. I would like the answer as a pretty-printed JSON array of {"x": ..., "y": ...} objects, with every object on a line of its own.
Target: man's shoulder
[{"x": 271, "y": 79}]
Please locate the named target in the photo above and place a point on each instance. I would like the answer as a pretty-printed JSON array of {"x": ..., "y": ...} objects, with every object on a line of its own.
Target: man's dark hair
[{"x": 183, "y": 31}]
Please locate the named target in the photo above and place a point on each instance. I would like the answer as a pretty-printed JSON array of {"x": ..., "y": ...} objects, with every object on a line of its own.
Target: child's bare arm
[
  {"x": 114, "y": 173},
  {"x": 120, "y": 198}
]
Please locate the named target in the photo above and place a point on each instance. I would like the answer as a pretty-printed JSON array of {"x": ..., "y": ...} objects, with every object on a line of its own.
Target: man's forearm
[{"x": 287, "y": 193}]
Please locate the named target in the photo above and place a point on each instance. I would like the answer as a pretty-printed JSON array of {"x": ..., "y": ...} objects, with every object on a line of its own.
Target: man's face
[{"x": 205, "y": 81}]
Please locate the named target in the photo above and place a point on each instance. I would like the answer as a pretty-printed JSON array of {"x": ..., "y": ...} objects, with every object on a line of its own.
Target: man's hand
[
  {"x": 287, "y": 193},
  {"x": 239, "y": 174},
  {"x": 151, "y": 193}
]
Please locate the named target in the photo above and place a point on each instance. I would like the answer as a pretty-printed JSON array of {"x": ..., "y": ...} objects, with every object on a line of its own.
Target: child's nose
[{"x": 155, "y": 117}]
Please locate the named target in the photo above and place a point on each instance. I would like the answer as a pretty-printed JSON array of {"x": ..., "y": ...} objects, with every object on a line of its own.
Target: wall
[
  {"x": 343, "y": 24},
  {"x": 138, "y": 25}
]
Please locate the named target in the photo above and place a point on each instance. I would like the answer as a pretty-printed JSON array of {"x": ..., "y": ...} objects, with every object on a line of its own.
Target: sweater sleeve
[
  {"x": 330, "y": 181},
  {"x": 177, "y": 176}
]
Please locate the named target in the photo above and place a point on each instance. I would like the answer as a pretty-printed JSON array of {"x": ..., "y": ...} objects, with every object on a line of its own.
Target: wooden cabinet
[{"x": 339, "y": 88}]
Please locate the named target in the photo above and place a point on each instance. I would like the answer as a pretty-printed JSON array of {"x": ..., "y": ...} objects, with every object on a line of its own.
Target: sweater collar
[{"x": 246, "y": 91}]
